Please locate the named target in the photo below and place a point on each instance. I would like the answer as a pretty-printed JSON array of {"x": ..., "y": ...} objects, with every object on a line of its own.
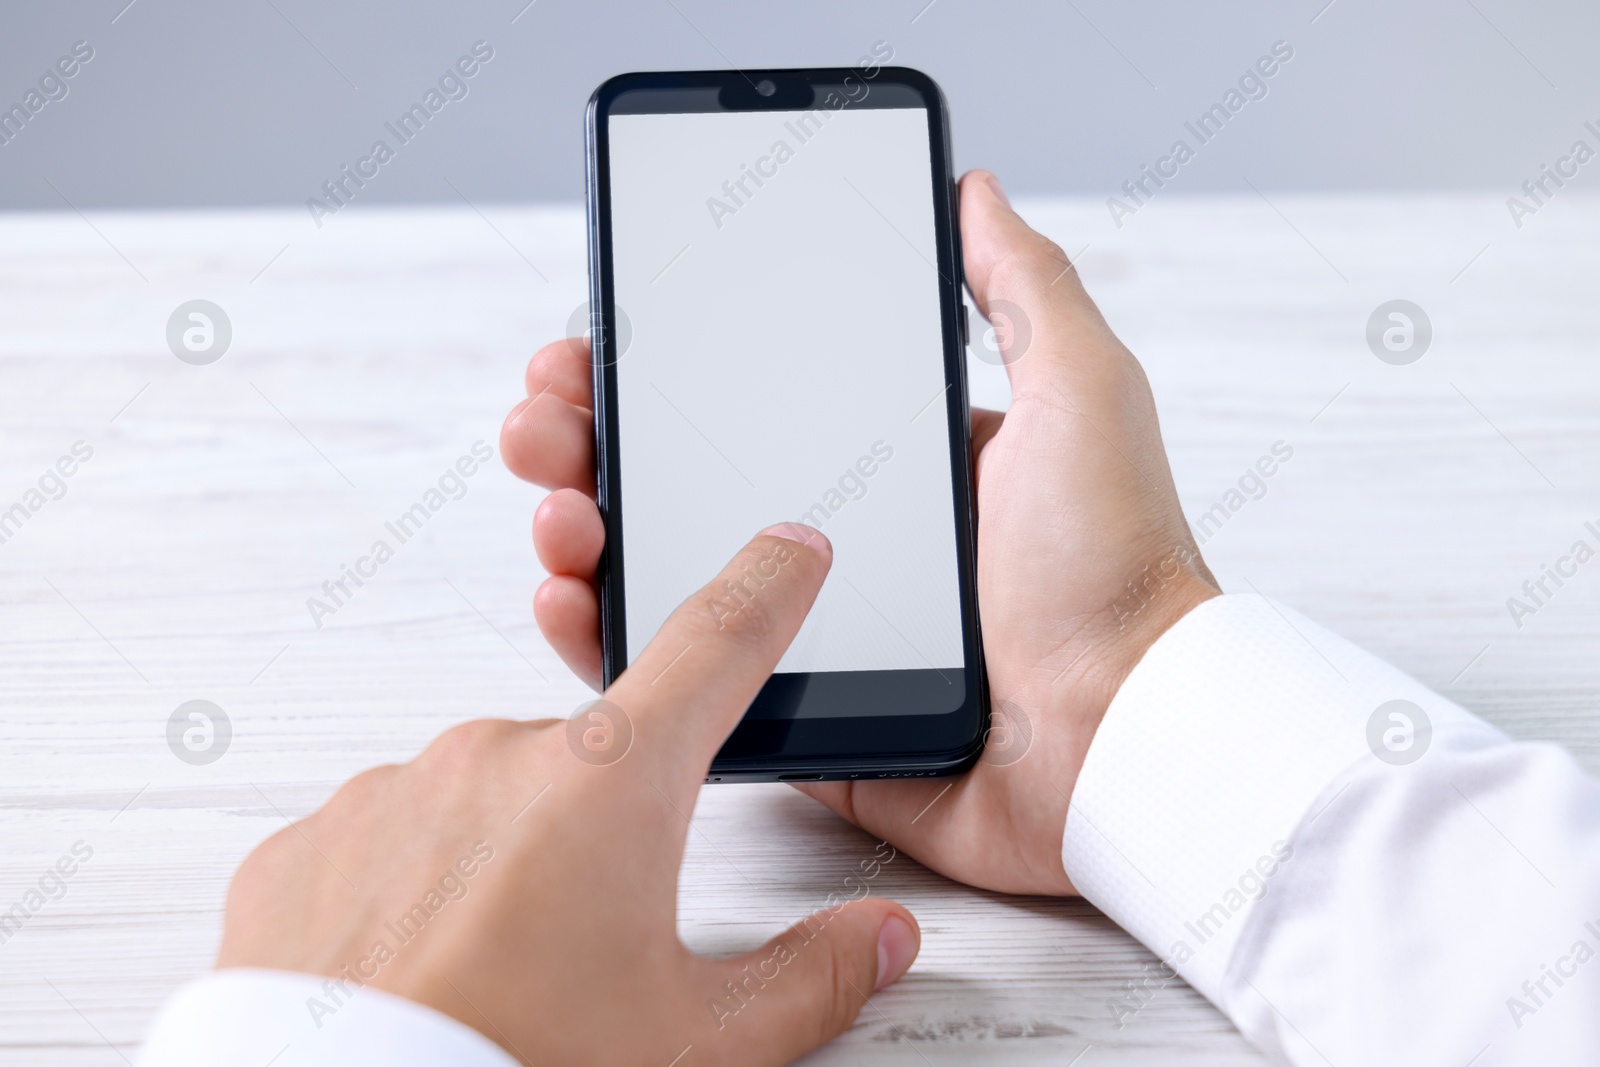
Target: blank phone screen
[{"x": 781, "y": 359}]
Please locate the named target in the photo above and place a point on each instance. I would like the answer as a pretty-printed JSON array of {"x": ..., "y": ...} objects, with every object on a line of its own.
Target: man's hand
[
  {"x": 1084, "y": 556},
  {"x": 522, "y": 877}
]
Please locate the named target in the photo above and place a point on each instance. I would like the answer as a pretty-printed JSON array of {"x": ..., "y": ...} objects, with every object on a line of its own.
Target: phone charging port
[{"x": 799, "y": 777}]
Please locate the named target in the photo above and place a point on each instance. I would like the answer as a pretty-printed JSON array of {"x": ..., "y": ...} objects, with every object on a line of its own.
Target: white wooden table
[{"x": 369, "y": 355}]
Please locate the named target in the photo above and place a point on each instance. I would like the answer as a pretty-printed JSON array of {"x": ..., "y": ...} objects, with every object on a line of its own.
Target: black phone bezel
[{"x": 811, "y": 748}]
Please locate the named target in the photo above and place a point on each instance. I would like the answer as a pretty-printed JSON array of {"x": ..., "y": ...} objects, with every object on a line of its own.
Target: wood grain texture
[{"x": 373, "y": 352}]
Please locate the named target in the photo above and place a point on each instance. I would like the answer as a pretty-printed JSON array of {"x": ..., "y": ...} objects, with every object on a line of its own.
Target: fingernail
[
  {"x": 897, "y": 947},
  {"x": 994, "y": 183},
  {"x": 797, "y": 531}
]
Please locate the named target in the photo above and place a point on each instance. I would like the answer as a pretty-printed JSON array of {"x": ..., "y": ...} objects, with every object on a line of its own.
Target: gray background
[{"x": 257, "y": 102}]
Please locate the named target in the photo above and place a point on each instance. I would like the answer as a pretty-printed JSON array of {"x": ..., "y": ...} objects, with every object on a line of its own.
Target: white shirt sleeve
[
  {"x": 1348, "y": 886},
  {"x": 253, "y": 1018}
]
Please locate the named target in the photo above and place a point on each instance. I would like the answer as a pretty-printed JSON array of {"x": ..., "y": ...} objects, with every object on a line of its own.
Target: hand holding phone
[
  {"x": 1084, "y": 556},
  {"x": 809, "y": 215}
]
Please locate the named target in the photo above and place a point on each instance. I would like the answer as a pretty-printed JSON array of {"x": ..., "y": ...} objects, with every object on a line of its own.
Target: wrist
[
  {"x": 1152, "y": 613},
  {"x": 1148, "y": 607},
  {"x": 1113, "y": 643}
]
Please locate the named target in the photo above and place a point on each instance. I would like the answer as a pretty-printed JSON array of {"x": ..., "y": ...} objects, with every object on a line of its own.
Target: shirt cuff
[
  {"x": 247, "y": 1018},
  {"x": 1234, "y": 730}
]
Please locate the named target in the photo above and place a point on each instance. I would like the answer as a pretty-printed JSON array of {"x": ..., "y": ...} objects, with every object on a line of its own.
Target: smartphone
[{"x": 778, "y": 333}]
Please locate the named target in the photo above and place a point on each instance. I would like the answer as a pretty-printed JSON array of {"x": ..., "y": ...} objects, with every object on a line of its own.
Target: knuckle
[
  {"x": 468, "y": 741},
  {"x": 365, "y": 787},
  {"x": 543, "y": 725},
  {"x": 266, "y": 857},
  {"x": 1138, "y": 381},
  {"x": 1030, "y": 268},
  {"x": 269, "y": 866},
  {"x": 1050, "y": 254},
  {"x": 1017, "y": 275}
]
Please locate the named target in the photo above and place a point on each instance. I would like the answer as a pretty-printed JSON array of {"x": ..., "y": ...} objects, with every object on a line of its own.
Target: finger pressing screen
[{"x": 687, "y": 689}]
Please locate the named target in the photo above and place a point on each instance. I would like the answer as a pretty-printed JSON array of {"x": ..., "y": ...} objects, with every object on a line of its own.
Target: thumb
[
  {"x": 806, "y": 986},
  {"x": 1029, "y": 289}
]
